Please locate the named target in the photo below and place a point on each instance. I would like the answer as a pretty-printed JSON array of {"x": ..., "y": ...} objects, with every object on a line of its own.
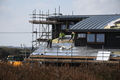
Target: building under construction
[{"x": 97, "y": 38}]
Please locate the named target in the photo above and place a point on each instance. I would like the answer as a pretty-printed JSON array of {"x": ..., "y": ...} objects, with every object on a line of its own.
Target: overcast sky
[{"x": 14, "y": 15}]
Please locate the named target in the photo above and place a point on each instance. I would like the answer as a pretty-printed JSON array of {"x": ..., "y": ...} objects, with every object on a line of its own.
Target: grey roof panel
[
  {"x": 94, "y": 22},
  {"x": 68, "y": 17}
]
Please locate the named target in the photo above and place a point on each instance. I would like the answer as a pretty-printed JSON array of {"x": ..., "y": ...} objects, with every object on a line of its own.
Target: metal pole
[
  {"x": 57, "y": 55},
  {"x": 72, "y": 12},
  {"x": 32, "y": 29},
  {"x": 24, "y": 50},
  {"x": 59, "y": 19},
  {"x": 55, "y": 24},
  {"x": 44, "y": 55},
  {"x": 86, "y": 53},
  {"x": 57, "y": 64},
  {"x": 36, "y": 37},
  {"x": 102, "y": 52},
  {"x": 86, "y": 58},
  {"x": 39, "y": 24},
  {"x": 42, "y": 24},
  {"x": 48, "y": 25},
  {"x": 71, "y": 56},
  {"x": 59, "y": 11}
]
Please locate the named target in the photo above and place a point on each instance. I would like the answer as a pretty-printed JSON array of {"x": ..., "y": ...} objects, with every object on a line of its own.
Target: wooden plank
[
  {"x": 115, "y": 58},
  {"x": 47, "y": 56},
  {"x": 45, "y": 22},
  {"x": 71, "y": 61},
  {"x": 64, "y": 41}
]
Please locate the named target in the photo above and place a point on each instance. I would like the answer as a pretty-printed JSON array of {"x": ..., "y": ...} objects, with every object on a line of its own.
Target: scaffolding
[{"x": 42, "y": 27}]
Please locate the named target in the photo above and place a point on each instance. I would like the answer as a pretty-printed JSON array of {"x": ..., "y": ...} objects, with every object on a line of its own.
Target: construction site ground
[{"x": 65, "y": 48}]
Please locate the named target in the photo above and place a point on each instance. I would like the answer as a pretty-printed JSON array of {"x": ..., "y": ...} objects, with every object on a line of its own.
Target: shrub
[{"x": 50, "y": 72}]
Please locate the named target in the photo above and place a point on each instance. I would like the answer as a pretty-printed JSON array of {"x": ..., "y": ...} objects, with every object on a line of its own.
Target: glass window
[
  {"x": 82, "y": 35},
  {"x": 90, "y": 37},
  {"x": 100, "y": 38},
  {"x": 71, "y": 24},
  {"x": 63, "y": 27}
]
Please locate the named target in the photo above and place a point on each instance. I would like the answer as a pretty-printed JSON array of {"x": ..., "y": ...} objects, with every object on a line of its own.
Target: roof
[
  {"x": 69, "y": 17},
  {"x": 96, "y": 22}
]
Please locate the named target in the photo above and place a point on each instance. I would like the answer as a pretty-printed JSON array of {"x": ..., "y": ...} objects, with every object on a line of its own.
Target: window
[
  {"x": 63, "y": 27},
  {"x": 91, "y": 38},
  {"x": 96, "y": 38},
  {"x": 81, "y": 35},
  {"x": 100, "y": 37}
]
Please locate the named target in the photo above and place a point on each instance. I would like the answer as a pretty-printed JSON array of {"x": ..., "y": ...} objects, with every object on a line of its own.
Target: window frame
[
  {"x": 82, "y": 35},
  {"x": 100, "y": 41},
  {"x": 95, "y": 39}
]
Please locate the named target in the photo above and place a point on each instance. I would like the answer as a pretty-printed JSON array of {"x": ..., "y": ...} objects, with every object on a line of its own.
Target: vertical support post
[
  {"x": 48, "y": 25},
  {"x": 39, "y": 24},
  {"x": 34, "y": 18},
  {"x": 86, "y": 53},
  {"x": 102, "y": 52},
  {"x": 86, "y": 59},
  {"x": 71, "y": 56},
  {"x": 36, "y": 37},
  {"x": 58, "y": 20},
  {"x": 42, "y": 24},
  {"x": 55, "y": 24},
  {"x": 44, "y": 55},
  {"x": 57, "y": 64},
  {"x": 57, "y": 55},
  {"x": 72, "y": 13},
  {"x": 25, "y": 52},
  {"x": 32, "y": 29}
]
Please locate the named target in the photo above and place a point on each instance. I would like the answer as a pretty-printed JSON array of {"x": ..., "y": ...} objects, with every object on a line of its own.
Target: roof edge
[{"x": 95, "y": 30}]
